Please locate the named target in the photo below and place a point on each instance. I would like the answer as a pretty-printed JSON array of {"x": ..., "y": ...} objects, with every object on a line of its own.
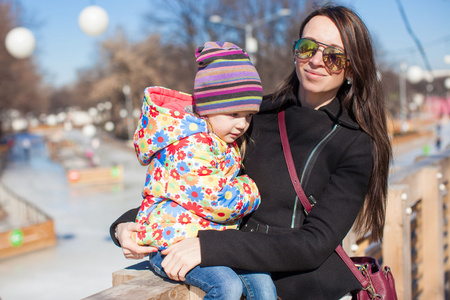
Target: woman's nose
[{"x": 317, "y": 58}]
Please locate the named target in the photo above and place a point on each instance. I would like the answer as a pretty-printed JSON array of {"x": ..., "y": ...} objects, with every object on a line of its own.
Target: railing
[
  {"x": 23, "y": 226},
  {"x": 416, "y": 238}
]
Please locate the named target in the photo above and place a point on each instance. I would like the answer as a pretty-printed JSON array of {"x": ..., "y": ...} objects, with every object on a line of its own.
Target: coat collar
[
  {"x": 334, "y": 109},
  {"x": 339, "y": 114}
]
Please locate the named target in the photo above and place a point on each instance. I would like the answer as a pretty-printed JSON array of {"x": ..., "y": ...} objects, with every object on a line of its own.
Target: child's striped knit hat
[{"x": 226, "y": 80}]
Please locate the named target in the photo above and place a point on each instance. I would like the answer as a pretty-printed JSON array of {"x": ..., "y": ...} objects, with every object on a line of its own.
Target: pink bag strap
[
  {"x": 304, "y": 200},
  {"x": 290, "y": 163}
]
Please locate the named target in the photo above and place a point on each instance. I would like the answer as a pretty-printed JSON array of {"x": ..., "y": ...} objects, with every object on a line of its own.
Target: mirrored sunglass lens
[
  {"x": 334, "y": 59},
  {"x": 305, "y": 49}
]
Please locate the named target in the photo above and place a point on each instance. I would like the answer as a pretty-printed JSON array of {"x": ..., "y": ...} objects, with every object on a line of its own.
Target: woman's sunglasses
[{"x": 333, "y": 58}]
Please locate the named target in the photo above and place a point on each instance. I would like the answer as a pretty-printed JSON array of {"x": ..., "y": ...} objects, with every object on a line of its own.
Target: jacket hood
[{"x": 166, "y": 119}]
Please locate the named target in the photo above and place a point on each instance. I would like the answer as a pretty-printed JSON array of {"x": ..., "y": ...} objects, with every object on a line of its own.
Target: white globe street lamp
[
  {"x": 415, "y": 74},
  {"x": 447, "y": 59},
  {"x": 93, "y": 20},
  {"x": 20, "y": 42},
  {"x": 89, "y": 130},
  {"x": 447, "y": 83}
]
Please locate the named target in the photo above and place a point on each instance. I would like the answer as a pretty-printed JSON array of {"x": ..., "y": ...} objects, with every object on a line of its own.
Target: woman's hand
[
  {"x": 130, "y": 249},
  {"x": 181, "y": 258}
]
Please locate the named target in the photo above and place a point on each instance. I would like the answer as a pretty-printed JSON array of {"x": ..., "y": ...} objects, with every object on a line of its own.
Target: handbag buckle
[
  {"x": 312, "y": 201},
  {"x": 370, "y": 289}
]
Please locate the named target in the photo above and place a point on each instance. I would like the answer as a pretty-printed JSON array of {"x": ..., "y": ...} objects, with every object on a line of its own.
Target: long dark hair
[{"x": 364, "y": 99}]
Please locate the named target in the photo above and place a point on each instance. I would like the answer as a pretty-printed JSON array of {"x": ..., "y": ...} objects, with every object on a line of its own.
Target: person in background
[{"x": 336, "y": 125}]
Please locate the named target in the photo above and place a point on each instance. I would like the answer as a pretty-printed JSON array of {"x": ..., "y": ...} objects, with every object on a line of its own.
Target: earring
[
  {"x": 295, "y": 62},
  {"x": 349, "y": 80}
]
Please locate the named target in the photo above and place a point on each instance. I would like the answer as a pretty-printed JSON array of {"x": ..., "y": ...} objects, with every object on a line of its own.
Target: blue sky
[{"x": 62, "y": 48}]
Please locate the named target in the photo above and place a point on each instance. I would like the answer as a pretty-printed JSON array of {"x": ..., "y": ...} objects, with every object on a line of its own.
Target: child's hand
[
  {"x": 181, "y": 258},
  {"x": 130, "y": 249}
]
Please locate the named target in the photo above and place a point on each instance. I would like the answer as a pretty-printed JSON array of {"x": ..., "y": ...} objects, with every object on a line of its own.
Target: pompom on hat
[{"x": 226, "y": 80}]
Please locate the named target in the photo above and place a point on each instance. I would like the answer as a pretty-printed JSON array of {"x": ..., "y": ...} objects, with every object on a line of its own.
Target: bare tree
[
  {"x": 20, "y": 82},
  {"x": 186, "y": 24}
]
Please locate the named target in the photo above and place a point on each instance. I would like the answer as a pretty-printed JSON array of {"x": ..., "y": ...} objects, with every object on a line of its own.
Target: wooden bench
[
  {"x": 26, "y": 239},
  {"x": 95, "y": 176},
  {"x": 138, "y": 282}
]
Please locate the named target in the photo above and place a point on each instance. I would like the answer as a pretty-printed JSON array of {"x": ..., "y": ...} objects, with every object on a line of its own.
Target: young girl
[{"x": 190, "y": 146}]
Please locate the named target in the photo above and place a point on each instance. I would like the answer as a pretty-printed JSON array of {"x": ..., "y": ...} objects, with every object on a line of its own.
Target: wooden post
[
  {"x": 432, "y": 235},
  {"x": 397, "y": 240},
  {"x": 445, "y": 185}
]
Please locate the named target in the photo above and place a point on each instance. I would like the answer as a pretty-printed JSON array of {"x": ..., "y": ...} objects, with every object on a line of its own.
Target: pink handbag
[
  {"x": 381, "y": 281},
  {"x": 377, "y": 283}
]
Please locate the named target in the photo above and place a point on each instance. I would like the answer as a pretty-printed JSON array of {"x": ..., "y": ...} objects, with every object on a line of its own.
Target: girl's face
[
  {"x": 230, "y": 126},
  {"x": 318, "y": 84}
]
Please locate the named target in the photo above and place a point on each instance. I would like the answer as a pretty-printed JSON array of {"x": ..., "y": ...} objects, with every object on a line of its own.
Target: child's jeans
[{"x": 223, "y": 282}]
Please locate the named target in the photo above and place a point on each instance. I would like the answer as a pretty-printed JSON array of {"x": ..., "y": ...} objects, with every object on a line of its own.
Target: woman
[{"x": 336, "y": 126}]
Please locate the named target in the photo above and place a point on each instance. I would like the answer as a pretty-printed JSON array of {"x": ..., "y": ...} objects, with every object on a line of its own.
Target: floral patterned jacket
[{"x": 191, "y": 182}]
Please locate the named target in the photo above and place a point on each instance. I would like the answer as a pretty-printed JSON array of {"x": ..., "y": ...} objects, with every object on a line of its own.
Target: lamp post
[
  {"x": 251, "y": 44},
  {"x": 129, "y": 109},
  {"x": 414, "y": 74},
  {"x": 447, "y": 80},
  {"x": 402, "y": 85}
]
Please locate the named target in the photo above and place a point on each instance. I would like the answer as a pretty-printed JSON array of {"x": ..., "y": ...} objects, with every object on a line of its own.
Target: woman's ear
[{"x": 349, "y": 76}]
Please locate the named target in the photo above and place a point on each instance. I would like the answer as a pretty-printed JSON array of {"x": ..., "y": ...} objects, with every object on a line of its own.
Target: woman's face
[{"x": 319, "y": 85}]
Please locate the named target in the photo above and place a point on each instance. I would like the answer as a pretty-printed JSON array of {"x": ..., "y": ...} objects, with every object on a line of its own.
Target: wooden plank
[
  {"x": 143, "y": 268},
  {"x": 131, "y": 272},
  {"x": 432, "y": 239},
  {"x": 35, "y": 237},
  {"x": 147, "y": 286},
  {"x": 196, "y": 294},
  {"x": 397, "y": 240}
]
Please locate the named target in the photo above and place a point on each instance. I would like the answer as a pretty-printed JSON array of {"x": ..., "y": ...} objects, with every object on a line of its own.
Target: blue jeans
[{"x": 223, "y": 282}]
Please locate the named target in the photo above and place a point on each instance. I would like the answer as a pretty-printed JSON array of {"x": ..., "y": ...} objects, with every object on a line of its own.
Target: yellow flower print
[
  {"x": 222, "y": 214},
  {"x": 158, "y": 189},
  {"x": 143, "y": 146},
  {"x": 212, "y": 181},
  {"x": 164, "y": 120},
  {"x": 192, "y": 230},
  {"x": 203, "y": 154},
  {"x": 173, "y": 188}
]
